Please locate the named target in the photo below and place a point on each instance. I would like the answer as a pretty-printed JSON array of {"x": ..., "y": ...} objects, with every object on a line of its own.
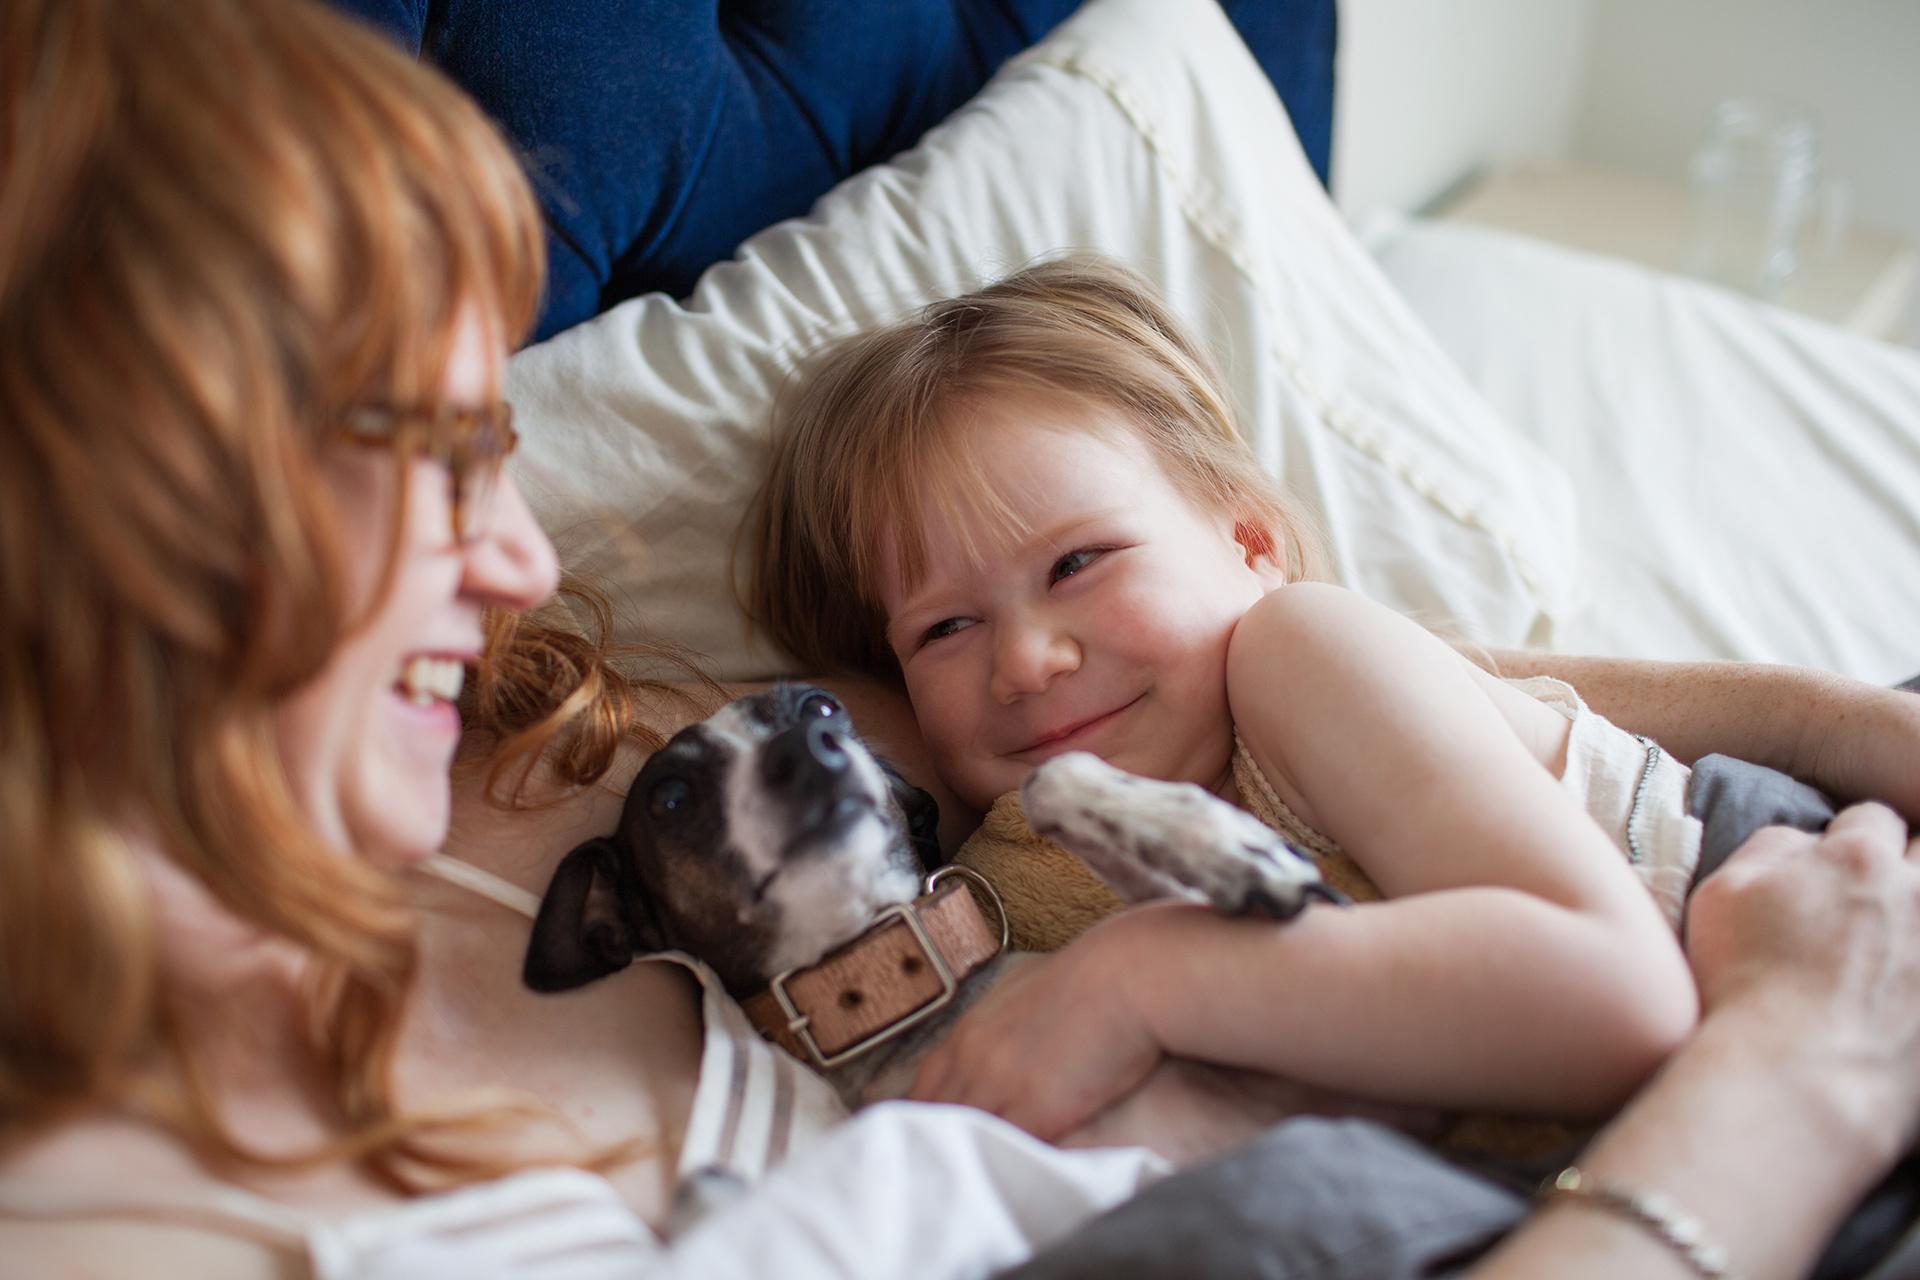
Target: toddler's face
[{"x": 1101, "y": 625}]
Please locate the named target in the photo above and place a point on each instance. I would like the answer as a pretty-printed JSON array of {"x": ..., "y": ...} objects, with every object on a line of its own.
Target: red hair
[{"x": 221, "y": 223}]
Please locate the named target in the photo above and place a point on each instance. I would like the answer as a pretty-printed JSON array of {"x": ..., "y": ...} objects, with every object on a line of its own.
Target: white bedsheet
[{"x": 1748, "y": 480}]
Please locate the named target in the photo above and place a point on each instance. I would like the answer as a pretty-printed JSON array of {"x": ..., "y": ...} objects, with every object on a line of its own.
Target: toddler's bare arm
[{"x": 1520, "y": 962}]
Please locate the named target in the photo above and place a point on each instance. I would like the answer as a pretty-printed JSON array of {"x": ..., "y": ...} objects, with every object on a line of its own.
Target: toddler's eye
[
  {"x": 942, "y": 629},
  {"x": 1071, "y": 563}
]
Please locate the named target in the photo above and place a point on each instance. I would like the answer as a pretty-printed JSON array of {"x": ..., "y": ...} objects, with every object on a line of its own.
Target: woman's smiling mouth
[{"x": 1071, "y": 736}]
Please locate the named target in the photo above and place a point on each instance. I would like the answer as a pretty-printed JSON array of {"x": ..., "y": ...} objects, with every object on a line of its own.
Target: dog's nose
[{"x": 808, "y": 754}]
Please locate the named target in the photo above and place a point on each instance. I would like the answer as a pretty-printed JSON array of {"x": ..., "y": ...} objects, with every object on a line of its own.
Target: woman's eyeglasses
[{"x": 471, "y": 441}]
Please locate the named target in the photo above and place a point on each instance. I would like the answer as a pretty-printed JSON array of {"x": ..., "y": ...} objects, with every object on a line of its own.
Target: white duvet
[{"x": 1748, "y": 481}]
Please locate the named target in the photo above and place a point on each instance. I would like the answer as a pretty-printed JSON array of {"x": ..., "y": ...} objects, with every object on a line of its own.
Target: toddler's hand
[{"x": 1054, "y": 1043}]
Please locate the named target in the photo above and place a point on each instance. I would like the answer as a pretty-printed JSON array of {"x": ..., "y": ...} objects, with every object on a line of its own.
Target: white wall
[
  {"x": 1428, "y": 91},
  {"x": 1656, "y": 67}
]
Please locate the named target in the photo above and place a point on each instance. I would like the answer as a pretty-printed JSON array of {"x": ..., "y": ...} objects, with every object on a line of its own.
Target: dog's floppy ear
[
  {"x": 584, "y": 930},
  {"x": 923, "y": 816}
]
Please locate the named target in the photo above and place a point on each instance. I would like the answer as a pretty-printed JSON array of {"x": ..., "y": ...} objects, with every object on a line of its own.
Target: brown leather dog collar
[{"x": 906, "y": 965}]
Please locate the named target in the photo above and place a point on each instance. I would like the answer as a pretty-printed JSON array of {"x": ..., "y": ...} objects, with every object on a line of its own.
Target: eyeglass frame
[{"x": 442, "y": 434}]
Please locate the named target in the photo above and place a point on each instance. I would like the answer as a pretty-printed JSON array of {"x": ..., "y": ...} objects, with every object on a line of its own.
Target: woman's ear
[{"x": 1262, "y": 554}]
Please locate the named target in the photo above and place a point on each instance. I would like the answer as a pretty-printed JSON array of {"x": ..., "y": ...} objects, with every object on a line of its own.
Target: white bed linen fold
[{"x": 909, "y": 1189}]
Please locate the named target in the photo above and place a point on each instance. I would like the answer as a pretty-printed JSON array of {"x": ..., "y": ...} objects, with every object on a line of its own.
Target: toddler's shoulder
[
  {"x": 1311, "y": 649},
  {"x": 1316, "y": 613}
]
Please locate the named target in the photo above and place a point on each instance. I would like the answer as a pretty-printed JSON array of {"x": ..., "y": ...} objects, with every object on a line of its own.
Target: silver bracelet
[{"x": 1649, "y": 1210}]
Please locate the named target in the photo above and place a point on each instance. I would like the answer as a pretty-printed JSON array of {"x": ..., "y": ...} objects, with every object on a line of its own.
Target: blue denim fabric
[{"x": 662, "y": 133}]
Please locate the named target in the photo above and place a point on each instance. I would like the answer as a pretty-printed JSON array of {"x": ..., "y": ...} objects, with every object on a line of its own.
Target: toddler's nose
[{"x": 1027, "y": 659}]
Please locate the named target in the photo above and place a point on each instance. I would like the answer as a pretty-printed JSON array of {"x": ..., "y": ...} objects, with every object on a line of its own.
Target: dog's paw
[{"x": 1149, "y": 839}]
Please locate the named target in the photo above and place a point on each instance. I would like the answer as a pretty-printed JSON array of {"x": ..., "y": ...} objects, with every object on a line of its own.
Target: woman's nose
[
  {"x": 512, "y": 564},
  {"x": 1027, "y": 658}
]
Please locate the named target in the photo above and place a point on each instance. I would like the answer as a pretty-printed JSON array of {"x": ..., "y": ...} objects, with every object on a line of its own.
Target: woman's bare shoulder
[
  {"x": 134, "y": 1249},
  {"x": 104, "y": 1199}
]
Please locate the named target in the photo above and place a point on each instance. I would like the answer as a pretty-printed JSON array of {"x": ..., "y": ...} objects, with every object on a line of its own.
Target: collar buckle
[{"x": 799, "y": 1024}]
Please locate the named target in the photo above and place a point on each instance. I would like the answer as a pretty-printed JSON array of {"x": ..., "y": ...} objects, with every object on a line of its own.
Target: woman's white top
[{"x": 901, "y": 1189}]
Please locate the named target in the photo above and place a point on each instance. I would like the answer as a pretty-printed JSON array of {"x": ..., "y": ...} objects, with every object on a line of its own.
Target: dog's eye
[
  {"x": 670, "y": 796},
  {"x": 818, "y": 706}
]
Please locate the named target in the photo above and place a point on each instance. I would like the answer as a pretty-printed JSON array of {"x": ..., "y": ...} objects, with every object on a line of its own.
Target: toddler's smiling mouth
[{"x": 1068, "y": 736}]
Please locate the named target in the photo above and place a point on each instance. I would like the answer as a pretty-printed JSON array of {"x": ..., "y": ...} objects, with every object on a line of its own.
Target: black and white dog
[{"x": 769, "y": 837}]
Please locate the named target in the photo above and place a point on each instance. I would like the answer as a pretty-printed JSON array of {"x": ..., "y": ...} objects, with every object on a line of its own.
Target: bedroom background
[
  {"x": 1434, "y": 98},
  {"x": 1531, "y": 444}
]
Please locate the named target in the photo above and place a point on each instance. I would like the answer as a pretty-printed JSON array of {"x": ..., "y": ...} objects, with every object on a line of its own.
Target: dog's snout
[
  {"x": 806, "y": 754},
  {"x": 827, "y": 747}
]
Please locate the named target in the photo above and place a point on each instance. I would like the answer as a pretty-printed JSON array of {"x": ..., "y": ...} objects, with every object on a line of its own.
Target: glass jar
[{"x": 1754, "y": 181}]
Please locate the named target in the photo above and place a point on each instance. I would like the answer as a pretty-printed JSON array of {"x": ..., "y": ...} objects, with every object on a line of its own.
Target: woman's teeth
[{"x": 425, "y": 680}]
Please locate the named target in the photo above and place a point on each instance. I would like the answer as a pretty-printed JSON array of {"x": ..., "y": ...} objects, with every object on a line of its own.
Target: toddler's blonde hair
[{"x": 881, "y": 414}]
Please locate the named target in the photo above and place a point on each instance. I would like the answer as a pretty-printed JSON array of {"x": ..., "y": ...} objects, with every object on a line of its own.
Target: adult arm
[
  {"x": 1850, "y": 738},
  {"x": 1803, "y": 1083}
]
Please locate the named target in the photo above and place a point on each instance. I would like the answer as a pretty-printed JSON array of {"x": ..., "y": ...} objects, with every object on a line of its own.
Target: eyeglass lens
[{"x": 474, "y": 463}]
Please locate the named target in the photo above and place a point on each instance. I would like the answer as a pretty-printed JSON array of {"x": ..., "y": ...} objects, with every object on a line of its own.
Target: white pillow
[{"x": 1140, "y": 128}]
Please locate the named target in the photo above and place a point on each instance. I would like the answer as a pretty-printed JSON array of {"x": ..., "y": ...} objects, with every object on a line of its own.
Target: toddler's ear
[{"x": 1263, "y": 556}]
